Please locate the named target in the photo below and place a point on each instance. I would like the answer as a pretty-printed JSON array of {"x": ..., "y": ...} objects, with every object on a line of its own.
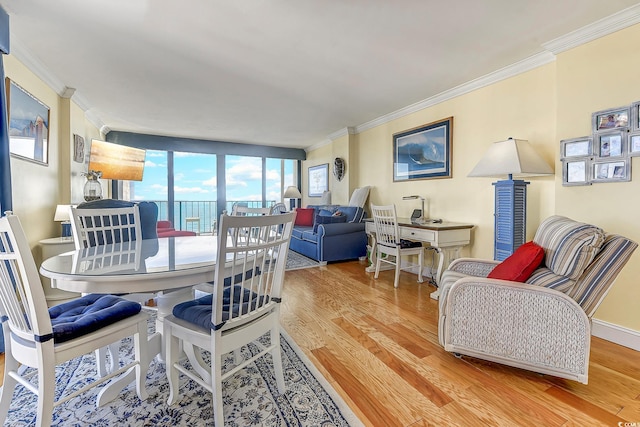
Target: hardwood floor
[{"x": 378, "y": 346}]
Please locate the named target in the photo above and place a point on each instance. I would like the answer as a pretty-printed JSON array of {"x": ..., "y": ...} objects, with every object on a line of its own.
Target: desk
[{"x": 447, "y": 238}]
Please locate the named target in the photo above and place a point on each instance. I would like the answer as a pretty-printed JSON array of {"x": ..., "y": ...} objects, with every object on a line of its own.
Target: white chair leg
[
  {"x": 420, "y": 264},
  {"x": 101, "y": 361},
  {"x": 172, "y": 353},
  {"x": 237, "y": 356},
  {"x": 276, "y": 355},
  {"x": 9, "y": 385},
  {"x": 141, "y": 346},
  {"x": 397, "y": 275},
  {"x": 46, "y": 391},
  {"x": 378, "y": 261},
  {"x": 216, "y": 388}
]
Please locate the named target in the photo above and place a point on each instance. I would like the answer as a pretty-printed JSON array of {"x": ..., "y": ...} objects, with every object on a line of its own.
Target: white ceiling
[{"x": 277, "y": 72}]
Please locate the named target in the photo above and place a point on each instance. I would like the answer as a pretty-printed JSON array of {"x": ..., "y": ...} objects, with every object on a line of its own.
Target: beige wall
[
  {"x": 593, "y": 77},
  {"x": 522, "y": 107},
  {"x": 543, "y": 106},
  {"x": 37, "y": 189}
]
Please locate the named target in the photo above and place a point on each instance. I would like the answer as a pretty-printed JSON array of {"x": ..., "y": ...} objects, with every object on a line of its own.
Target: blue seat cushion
[
  {"x": 299, "y": 230},
  {"x": 87, "y": 314},
  {"x": 198, "y": 311}
]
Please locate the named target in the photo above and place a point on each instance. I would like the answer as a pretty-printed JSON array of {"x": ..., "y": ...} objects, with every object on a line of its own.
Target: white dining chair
[
  {"x": 389, "y": 244},
  {"x": 244, "y": 306},
  {"x": 277, "y": 208},
  {"x": 95, "y": 227},
  {"x": 240, "y": 210},
  {"x": 42, "y": 338}
]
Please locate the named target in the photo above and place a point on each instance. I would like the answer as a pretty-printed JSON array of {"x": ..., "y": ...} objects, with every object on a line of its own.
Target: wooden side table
[{"x": 51, "y": 247}]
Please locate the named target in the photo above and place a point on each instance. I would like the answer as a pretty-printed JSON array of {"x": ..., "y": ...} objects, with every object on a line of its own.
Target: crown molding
[
  {"x": 318, "y": 145},
  {"x": 342, "y": 132},
  {"x": 600, "y": 28},
  {"x": 486, "y": 80},
  {"x": 605, "y": 26},
  {"x": 36, "y": 66}
]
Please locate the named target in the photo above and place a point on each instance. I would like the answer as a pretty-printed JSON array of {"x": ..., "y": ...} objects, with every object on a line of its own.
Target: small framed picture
[
  {"x": 634, "y": 144},
  {"x": 576, "y": 147},
  {"x": 635, "y": 116},
  {"x": 575, "y": 171},
  {"x": 610, "y": 119},
  {"x": 611, "y": 171},
  {"x": 318, "y": 180},
  {"x": 611, "y": 144}
]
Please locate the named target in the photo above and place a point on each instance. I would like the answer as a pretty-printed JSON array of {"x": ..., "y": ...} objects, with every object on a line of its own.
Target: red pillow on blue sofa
[
  {"x": 305, "y": 216},
  {"x": 520, "y": 265}
]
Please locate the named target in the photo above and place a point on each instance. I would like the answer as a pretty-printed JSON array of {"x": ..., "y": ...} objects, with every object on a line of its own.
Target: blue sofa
[{"x": 327, "y": 242}]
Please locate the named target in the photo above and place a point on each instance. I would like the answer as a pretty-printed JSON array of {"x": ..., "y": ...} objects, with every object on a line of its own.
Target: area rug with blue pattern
[
  {"x": 296, "y": 261},
  {"x": 250, "y": 396}
]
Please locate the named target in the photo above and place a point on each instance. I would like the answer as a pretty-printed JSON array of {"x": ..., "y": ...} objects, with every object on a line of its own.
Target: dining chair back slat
[{"x": 93, "y": 227}]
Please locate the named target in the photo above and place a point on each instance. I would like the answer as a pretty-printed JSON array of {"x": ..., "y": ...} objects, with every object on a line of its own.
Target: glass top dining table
[{"x": 139, "y": 266}]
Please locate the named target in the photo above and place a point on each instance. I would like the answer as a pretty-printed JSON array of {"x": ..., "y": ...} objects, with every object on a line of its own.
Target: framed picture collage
[{"x": 605, "y": 156}]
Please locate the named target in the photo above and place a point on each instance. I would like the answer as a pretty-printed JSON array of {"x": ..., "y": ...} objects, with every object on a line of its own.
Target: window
[{"x": 195, "y": 191}]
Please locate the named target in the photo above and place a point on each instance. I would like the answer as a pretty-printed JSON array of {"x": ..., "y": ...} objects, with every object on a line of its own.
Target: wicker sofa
[{"x": 544, "y": 324}]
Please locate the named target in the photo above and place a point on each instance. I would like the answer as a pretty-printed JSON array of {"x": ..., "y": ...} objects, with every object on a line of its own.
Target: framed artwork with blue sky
[{"x": 423, "y": 152}]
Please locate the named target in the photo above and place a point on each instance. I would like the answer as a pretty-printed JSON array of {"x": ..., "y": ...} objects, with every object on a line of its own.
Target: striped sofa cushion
[{"x": 569, "y": 246}]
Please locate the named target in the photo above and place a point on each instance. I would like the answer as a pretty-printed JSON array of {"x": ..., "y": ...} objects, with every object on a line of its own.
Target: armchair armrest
[
  {"x": 516, "y": 324},
  {"x": 473, "y": 266},
  {"x": 340, "y": 228},
  {"x": 463, "y": 267}
]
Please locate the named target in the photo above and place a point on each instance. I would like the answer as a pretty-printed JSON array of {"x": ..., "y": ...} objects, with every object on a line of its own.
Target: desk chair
[
  {"x": 42, "y": 338},
  {"x": 388, "y": 242},
  {"x": 244, "y": 306}
]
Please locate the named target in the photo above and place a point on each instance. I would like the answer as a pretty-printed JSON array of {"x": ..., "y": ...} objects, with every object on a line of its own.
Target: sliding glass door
[{"x": 192, "y": 189}]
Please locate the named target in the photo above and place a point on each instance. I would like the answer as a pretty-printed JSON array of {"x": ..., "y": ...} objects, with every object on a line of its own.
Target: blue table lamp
[
  {"x": 509, "y": 158},
  {"x": 63, "y": 215},
  {"x": 292, "y": 193}
]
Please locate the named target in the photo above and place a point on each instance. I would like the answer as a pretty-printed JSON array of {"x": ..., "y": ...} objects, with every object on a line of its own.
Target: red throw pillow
[
  {"x": 304, "y": 216},
  {"x": 520, "y": 265}
]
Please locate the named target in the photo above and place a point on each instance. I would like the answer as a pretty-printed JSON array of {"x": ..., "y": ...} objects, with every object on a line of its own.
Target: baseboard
[{"x": 616, "y": 334}]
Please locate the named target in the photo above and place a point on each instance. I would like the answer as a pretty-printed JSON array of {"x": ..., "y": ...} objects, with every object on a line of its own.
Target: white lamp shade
[
  {"x": 292, "y": 192},
  {"x": 511, "y": 157},
  {"x": 63, "y": 213}
]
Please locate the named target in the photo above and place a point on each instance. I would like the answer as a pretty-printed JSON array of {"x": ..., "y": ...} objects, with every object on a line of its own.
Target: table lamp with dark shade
[{"x": 513, "y": 157}]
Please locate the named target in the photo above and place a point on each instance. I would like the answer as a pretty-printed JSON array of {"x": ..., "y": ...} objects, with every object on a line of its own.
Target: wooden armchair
[{"x": 543, "y": 325}]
